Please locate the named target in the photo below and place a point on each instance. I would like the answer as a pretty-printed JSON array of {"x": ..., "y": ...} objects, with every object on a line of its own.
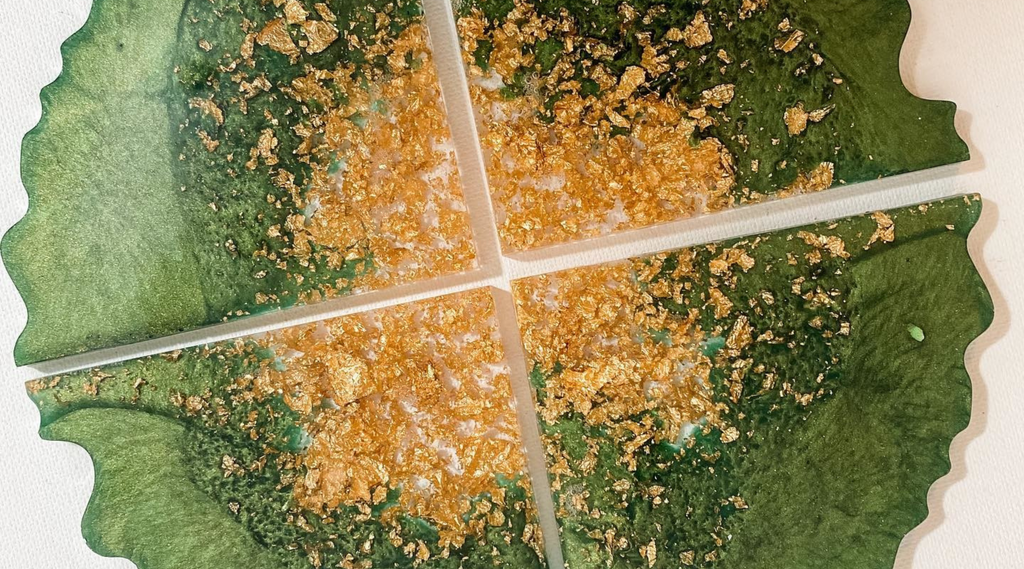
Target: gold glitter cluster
[
  {"x": 415, "y": 397},
  {"x": 619, "y": 352},
  {"x": 578, "y": 176},
  {"x": 396, "y": 190},
  {"x": 611, "y": 352},
  {"x": 383, "y": 181}
]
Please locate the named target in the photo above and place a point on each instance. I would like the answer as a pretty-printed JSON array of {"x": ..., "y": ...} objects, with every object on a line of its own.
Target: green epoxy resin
[
  {"x": 158, "y": 203},
  {"x": 193, "y": 471},
  {"x": 837, "y": 57},
  {"x": 877, "y": 128},
  {"x": 834, "y": 416}
]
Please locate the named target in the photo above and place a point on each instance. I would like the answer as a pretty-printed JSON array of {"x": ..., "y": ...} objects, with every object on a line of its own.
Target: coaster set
[{"x": 775, "y": 400}]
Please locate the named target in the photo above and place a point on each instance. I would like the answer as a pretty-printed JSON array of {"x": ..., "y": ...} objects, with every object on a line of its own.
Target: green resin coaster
[
  {"x": 783, "y": 400},
  {"x": 387, "y": 439},
  {"x": 202, "y": 160},
  {"x": 601, "y": 115}
]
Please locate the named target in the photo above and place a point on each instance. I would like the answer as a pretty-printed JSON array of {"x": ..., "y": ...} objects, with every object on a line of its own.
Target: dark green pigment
[
  {"x": 161, "y": 491},
  {"x": 877, "y": 128},
  {"x": 836, "y": 483}
]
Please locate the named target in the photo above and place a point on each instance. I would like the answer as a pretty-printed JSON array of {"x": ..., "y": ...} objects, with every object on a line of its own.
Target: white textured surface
[{"x": 969, "y": 52}]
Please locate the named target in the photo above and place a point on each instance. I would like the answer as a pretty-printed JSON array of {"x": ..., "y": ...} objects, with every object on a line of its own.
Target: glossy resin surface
[
  {"x": 782, "y": 400},
  {"x": 598, "y": 116},
  {"x": 199, "y": 161}
]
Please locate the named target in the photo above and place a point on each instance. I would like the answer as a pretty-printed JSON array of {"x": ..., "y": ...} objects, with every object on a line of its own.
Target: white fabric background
[{"x": 968, "y": 52}]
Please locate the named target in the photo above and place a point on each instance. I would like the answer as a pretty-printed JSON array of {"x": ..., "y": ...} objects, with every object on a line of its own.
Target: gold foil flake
[
  {"x": 796, "y": 118},
  {"x": 627, "y": 12},
  {"x": 654, "y": 63},
  {"x": 720, "y": 302},
  {"x": 738, "y": 502},
  {"x": 698, "y": 32},
  {"x": 325, "y": 12},
  {"x": 209, "y": 143},
  {"x": 266, "y": 148},
  {"x": 730, "y": 256},
  {"x": 817, "y": 180},
  {"x": 730, "y": 435},
  {"x": 209, "y": 108},
  {"x": 248, "y": 45},
  {"x": 834, "y": 245},
  {"x": 37, "y": 385},
  {"x": 740, "y": 336},
  {"x": 650, "y": 553},
  {"x": 886, "y": 230},
  {"x": 275, "y": 36},
  {"x": 790, "y": 42},
  {"x": 320, "y": 35},
  {"x": 718, "y": 96},
  {"x": 294, "y": 13},
  {"x": 748, "y": 8},
  {"x": 631, "y": 78},
  {"x": 620, "y": 353},
  {"x": 417, "y": 398}
]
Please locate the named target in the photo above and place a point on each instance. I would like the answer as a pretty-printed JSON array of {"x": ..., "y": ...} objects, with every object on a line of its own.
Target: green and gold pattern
[
  {"x": 778, "y": 400},
  {"x": 199, "y": 161},
  {"x": 385, "y": 439},
  {"x": 782, "y": 400},
  {"x": 605, "y": 115}
]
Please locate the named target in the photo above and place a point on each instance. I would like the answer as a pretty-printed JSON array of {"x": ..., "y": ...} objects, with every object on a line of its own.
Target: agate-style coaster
[
  {"x": 599, "y": 116},
  {"x": 199, "y": 161},
  {"x": 783, "y": 400},
  {"x": 385, "y": 439}
]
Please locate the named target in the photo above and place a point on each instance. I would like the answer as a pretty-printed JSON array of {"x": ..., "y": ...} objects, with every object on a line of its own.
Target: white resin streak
[{"x": 966, "y": 52}]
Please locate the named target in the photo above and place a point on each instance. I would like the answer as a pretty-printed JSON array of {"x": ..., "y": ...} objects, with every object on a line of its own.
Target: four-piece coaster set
[{"x": 774, "y": 400}]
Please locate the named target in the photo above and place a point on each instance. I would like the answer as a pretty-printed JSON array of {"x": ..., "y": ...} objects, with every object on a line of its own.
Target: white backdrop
[{"x": 968, "y": 52}]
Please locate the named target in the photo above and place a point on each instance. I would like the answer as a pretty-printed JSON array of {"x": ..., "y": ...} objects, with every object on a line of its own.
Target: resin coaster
[
  {"x": 783, "y": 400},
  {"x": 604, "y": 115},
  {"x": 198, "y": 161},
  {"x": 386, "y": 439}
]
